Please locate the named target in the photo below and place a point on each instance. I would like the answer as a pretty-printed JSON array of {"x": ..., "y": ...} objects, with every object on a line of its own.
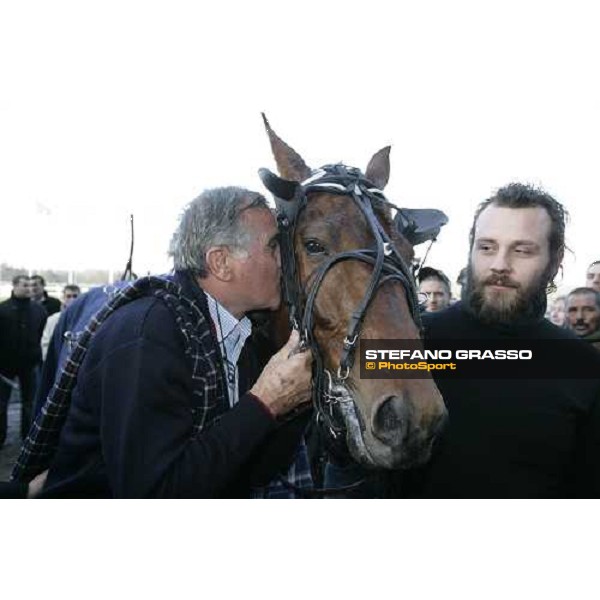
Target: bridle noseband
[{"x": 329, "y": 391}]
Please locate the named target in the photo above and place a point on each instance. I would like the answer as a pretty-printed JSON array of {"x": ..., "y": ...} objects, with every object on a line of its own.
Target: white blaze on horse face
[{"x": 511, "y": 248}]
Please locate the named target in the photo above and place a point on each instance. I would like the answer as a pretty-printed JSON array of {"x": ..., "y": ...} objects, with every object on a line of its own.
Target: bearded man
[{"x": 524, "y": 438}]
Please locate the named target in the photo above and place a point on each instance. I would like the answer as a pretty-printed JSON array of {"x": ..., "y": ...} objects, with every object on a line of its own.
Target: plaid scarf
[{"x": 208, "y": 401}]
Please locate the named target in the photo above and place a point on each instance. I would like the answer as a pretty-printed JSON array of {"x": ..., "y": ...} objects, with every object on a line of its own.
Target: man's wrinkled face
[
  {"x": 583, "y": 314},
  {"x": 438, "y": 297},
  {"x": 509, "y": 258},
  {"x": 258, "y": 270},
  {"x": 592, "y": 278},
  {"x": 22, "y": 289}
]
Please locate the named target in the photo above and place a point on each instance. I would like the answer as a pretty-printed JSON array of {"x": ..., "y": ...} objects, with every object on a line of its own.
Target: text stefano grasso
[{"x": 459, "y": 354}]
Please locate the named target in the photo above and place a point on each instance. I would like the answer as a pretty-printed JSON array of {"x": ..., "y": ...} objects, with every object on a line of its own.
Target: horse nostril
[{"x": 391, "y": 419}]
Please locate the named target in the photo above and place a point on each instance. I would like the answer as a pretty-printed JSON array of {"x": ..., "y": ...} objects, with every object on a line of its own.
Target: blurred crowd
[{"x": 27, "y": 321}]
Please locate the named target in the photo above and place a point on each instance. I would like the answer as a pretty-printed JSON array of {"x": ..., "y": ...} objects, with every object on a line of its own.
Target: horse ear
[
  {"x": 280, "y": 188},
  {"x": 378, "y": 169},
  {"x": 289, "y": 163}
]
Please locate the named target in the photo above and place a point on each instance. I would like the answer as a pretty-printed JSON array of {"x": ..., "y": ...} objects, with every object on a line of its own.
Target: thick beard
[{"x": 524, "y": 305}]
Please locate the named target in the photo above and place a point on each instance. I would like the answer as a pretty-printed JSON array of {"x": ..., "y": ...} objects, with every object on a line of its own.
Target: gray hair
[{"x": 212, "y": 219}]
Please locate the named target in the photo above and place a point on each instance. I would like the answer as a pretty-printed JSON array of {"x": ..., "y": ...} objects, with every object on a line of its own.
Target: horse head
[{"x": 346, "y": 278}]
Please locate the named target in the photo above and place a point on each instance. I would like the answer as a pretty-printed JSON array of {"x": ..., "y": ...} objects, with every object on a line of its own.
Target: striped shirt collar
[{"x": 231, "y": 336}]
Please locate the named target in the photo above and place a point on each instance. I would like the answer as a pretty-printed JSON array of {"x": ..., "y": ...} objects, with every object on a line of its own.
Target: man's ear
[{"x": 218, "y": 262}]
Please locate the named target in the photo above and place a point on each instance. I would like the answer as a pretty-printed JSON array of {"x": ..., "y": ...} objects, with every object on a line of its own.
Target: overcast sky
[{"x": 136, "y": 107}]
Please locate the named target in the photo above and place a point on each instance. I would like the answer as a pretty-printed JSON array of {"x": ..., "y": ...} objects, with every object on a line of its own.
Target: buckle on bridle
[
  {"x": 349, "y": 344},
  {"x": 342, "y": 375}
]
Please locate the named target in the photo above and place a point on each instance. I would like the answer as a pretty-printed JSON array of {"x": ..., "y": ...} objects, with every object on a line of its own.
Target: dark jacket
[
  {"x": 129, "y": 432},
  {"x": 593, "y": 339},
  {"x": 513, "y": 438},
  {"x": 51, "y": 305},
  {"x": 21, "y": 327},
  {"x": 13, "y": 490},
  {"x": 72, "y": 322}
]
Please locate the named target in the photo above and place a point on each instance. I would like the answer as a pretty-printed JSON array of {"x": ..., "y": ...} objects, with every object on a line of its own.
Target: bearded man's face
[{"x": 509, "y": 262}]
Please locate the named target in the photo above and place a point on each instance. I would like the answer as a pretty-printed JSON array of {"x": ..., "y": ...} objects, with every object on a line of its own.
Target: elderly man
[
  {"x": 583, "y": 314},
  {"x": 520, "y": 438},
  {"x": 592, "y": 277},
  {"x": 169, "y": 400}
]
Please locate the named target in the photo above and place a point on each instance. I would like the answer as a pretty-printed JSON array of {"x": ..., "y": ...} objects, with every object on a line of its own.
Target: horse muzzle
[{"x": 395, "y": 437}]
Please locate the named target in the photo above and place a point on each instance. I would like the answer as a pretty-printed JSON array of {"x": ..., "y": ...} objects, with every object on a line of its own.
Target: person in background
[
  {"x": 583, "y": 314},
  {"x": 436, "y": 287},
  {"x": 592, "y": 277},
  {"x": 40, "y": 296},
  {"x": 557, "y": 311},
  {"x": 69, "y": 294},
  {"x": 21, "y": 325}
]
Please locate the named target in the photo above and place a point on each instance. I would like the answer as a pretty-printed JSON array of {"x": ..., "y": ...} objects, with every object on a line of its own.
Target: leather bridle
[{"x": 291, "y": 198}]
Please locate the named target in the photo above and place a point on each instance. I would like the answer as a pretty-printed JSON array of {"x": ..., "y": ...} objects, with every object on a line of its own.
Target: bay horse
[{"x": 346, "y": 278}]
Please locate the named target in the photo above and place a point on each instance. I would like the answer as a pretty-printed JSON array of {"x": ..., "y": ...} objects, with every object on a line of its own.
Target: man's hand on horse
[{"x": 285, "y": 381}]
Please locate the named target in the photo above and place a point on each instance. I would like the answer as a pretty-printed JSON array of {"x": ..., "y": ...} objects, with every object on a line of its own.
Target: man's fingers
[
  {"x": 294, "y": 345},
  {"x": 308, "y": 356},
  {"x": 305, "y": 355},
  {"x": 294, "y": 338}
]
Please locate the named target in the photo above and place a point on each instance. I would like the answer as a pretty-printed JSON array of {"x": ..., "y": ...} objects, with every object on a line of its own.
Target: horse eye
[{"x": 313, "y": 247}]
